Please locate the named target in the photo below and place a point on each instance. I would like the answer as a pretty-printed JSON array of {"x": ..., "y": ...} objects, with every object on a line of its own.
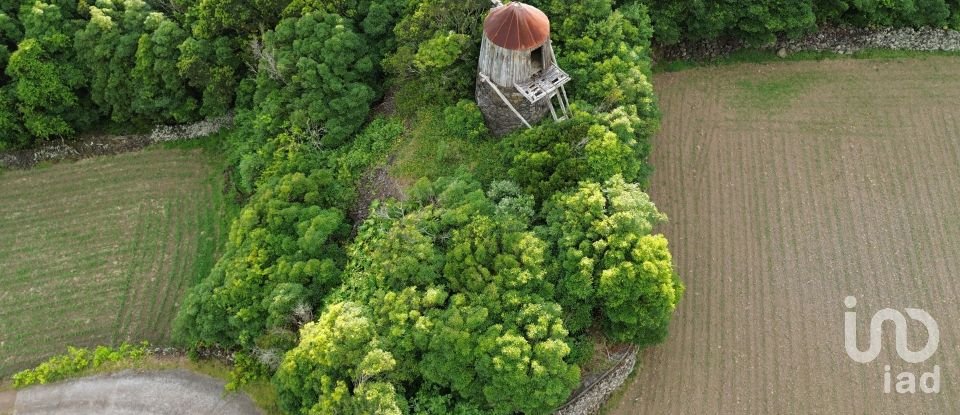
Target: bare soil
[
  {"x": 376, "y": 184},
  {"x": 789, "y": 187}
]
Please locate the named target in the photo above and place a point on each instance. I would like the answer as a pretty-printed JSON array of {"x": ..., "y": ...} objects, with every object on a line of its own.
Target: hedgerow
[{"x": 77, "y": 361}]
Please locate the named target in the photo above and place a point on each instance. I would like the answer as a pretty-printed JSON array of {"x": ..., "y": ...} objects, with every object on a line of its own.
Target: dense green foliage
[
  {"x": 452, "y": 302},
  {"x": 589, "y": 146},
  {"x": 464, "y": 301},
  {"x": 760, "y": 21},
  {"x": 77, "y": 361},
  {"x": 337, "y": 350},
  {"x": 44, "y": 76},
  {"x": 282, "y": 253},
  {"x": 473, "y": 295},
  {"x": 315, "y": 78},
  {"x": 67, "y": 66},
  {"x": 607, "y": 259},
  {"x": 129, "y": 56},
  {"x": 437, "y": 46}
]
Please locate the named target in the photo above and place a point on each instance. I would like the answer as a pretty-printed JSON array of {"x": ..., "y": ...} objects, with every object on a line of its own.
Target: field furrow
[
  {"x": 100, "y": 251},
  {"x": 790, "y": 186}
]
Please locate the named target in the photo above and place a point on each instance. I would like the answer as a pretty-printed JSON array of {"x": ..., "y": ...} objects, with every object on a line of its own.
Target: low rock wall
[
  {"x": 99, "y": 145},
  {"x": 589, "y": 400},
  {"x": 838, "y": 39}
]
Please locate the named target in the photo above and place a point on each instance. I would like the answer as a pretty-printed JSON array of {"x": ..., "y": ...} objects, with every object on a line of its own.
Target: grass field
[
  {"x": 790, "y": 186},
  {"x": 100, "y": 251}
]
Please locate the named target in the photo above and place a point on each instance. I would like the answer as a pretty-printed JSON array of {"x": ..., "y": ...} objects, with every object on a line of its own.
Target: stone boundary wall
[
  {"x": 95, "y": 145},
  {"x": 837, "y": 39},
  {"x": 201, "y": 128},
  {"x": 589, "y": 400}
]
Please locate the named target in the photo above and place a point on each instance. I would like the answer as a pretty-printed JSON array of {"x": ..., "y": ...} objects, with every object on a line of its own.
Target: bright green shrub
[
  {"x": 638, "y": 291},
  {"x": 77, "y": 361},
  {"x": 337, "y": 366},
  {"x": 607, "y": 261},
  {"x": 56, "y": 368},
  {"x": 44, "y": 76},
  {"x": 246, "y": 368},
  {"x": 368, "y": 147},
  {"x": 441, "y": 51},
  {"x": 44, "y": 97},
  {"x": 553, "y": 157}
]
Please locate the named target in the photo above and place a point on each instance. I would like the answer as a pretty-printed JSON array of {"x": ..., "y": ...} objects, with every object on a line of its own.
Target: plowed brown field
[{"x": 789, "y": 187}]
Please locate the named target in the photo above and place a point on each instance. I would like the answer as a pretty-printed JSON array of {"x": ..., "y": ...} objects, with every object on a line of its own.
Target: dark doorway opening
[{"x": 536, "y": 56}]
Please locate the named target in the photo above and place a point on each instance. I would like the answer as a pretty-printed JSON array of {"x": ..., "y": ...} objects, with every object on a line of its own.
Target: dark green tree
[
  {"x": 314, "y": 77},
  {"x": 43, "y": 74},
  {"x": 106, "y": 48},
  {"x": 213, "y": 66},
  {"x": 161, "y": 93}
]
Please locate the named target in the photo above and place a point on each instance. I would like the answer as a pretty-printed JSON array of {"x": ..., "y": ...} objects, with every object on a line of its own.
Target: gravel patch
[{"x": 132, "y": 393}]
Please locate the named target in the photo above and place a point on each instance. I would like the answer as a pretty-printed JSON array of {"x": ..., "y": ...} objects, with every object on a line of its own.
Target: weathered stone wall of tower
[{"x": 500, "y": 120}]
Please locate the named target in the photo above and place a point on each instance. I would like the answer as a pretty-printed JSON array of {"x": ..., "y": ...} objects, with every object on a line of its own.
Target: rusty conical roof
[{"x": 517, "y": 26}]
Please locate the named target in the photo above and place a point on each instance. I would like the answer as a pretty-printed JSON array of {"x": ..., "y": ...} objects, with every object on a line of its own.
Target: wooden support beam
[{"x": 486, "y": 79}]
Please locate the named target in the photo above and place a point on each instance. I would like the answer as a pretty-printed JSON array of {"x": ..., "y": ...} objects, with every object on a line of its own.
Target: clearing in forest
[
  {"x": 789, "y": 187},
  {"x": 100, "y": 251}
]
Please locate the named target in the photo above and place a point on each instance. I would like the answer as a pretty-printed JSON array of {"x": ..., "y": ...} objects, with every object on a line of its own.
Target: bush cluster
[
  {"x": 446, "y": 299},
  {"x": 77, "y": 361},
  {"x": 283, "y": 254}
]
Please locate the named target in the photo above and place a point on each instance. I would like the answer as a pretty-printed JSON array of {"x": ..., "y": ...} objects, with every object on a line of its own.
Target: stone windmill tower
[{"x": 518, "y": 76}]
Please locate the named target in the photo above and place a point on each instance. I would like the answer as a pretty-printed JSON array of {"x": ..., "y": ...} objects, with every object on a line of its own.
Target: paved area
[
  {"x": 6, "y": 402},
  {"x": 131, "y": 393}
]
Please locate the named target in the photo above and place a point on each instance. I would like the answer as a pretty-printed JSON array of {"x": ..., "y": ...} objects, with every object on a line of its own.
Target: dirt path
[
  {"x": 790, "y": 186},
  {"x": 130, "y": 393}
]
